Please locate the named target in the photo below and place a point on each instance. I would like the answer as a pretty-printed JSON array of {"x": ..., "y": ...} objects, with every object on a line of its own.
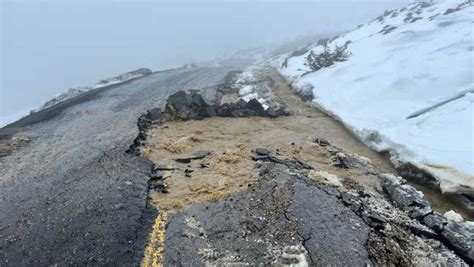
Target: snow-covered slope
[{"x": 407, "y": 87}]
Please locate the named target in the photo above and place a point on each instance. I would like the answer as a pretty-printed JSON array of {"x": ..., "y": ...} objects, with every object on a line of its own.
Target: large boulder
[
  {"x": 461, "y": 238},
  {"x": 405, "y": 196}
]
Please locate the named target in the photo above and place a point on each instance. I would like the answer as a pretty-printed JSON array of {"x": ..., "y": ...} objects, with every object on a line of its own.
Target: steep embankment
[{"x": 406, "y": 87}]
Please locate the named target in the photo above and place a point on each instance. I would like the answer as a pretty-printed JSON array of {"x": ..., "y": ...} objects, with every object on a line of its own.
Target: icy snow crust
[{"x": 407, "y": 87}]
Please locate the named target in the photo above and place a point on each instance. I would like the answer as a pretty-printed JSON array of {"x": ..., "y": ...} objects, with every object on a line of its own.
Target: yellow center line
[{"x": 154, "y": 250}]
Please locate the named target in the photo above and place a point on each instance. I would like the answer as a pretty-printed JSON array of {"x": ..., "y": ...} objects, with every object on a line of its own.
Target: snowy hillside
[{"x": 407, "y": 87}]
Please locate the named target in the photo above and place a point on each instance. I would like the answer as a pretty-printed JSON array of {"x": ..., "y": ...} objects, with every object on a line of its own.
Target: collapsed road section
[{"x": 235, "y": 182}]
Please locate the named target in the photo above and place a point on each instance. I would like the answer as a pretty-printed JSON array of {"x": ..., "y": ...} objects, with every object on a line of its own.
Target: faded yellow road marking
[{"x": 155, "y": 248}]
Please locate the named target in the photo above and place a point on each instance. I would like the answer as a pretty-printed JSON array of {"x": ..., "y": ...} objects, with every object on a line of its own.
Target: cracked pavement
[
  {"x": 255, "y": 226},
  {"x": 72, "y": 195}
]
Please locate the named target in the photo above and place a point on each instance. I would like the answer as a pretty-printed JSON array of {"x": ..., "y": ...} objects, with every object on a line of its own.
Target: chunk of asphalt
[
  {"x": 321, "y": 141},
  {"x": 163, "y": 167},
  {"x": 262, "y": 151},
  {"x": 200, "y": 154},
  {"x": 260, "y": 157}
]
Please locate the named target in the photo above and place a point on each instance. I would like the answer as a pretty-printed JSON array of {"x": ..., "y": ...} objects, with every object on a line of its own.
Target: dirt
[{"x": 229, "y": 167}]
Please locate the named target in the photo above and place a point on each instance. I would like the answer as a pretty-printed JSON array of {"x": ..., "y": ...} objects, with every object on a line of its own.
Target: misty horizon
[{"x": 49, "y": 46}]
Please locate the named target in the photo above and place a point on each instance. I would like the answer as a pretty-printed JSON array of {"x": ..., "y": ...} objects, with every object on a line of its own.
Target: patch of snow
[
  {"x": 123, "y": 77},
  {"x": 247, "y": 90},
  {"x": 72, "y": 92},
  {"x": 452, "y": 215},
  {"x": 248, "y": 97},
  {"x": 406, "y": 87}
]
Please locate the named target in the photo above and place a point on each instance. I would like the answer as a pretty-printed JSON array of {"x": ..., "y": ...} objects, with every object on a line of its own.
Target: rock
[
  {"x": 143, "y": 122},
  {"x": 242, "y": 113},
  {"x": 157, "y": 175},
  {"x": 256, "y": 106},
  {"x": 352, "y": 200},
  {"x": 262, "y": 151},
  {"x": 200, "y": 154},
  {"x": 158, "y": 186},
  {"x": 420, "y": 229},
  {"x": 177, "y": 101},
  {"x": 210, "y": 111},
  {"x": 339, "y": 160},
  {"x": 163, "y": 167},
  {"x": 435, "y": 221},
  {"x": 191, "y": 105},
  {"x": 260, "y": 157},
  {"x": 321, "y": 141},
  {"x": 241, "y": 104},
  {"x": 452, "y": 215},
  {"x": 154, "y": 114},
  {"x": 277, "y": 112},
  {"x": 225, "y": 110},
  {"x": 461, "y": 238},
  {"x": 197, "y": 100},
  {"x": 405, "y": 197}
]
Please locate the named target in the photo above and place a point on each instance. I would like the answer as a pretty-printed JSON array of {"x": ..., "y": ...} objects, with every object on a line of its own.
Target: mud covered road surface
[
  {"x": 285, "y": 191},
  {"x": 209, "y": 179},
  {"x": 69, "y": 194}
]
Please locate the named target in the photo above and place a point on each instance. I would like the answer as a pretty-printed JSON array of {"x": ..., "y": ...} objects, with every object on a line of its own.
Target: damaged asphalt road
[
  {"x": 72, "y": 195},
  {"x": 294, "y": 214},
  {"x": 257, "y": 226},
  {"x": 288, "y": 218}
]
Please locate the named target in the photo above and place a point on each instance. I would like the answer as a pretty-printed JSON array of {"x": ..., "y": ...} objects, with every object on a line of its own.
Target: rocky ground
[{"x": 207, "y": 178}]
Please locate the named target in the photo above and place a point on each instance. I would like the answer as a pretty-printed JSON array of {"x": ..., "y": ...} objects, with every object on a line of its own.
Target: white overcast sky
[{"x": 50, "y": 46}]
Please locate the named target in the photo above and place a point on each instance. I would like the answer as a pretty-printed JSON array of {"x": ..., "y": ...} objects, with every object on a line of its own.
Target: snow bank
[
  {"x": 123, "y": 77},
  {"x": 72, "y": 92},
  {"x": 407, "y": 87}
]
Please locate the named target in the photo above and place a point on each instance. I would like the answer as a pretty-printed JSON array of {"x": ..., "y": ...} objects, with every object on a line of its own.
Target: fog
[{"x": 50, "y": 46}]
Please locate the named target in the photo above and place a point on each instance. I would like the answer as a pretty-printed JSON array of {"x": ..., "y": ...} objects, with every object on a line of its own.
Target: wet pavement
[{"x": 72, "y": 195}]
